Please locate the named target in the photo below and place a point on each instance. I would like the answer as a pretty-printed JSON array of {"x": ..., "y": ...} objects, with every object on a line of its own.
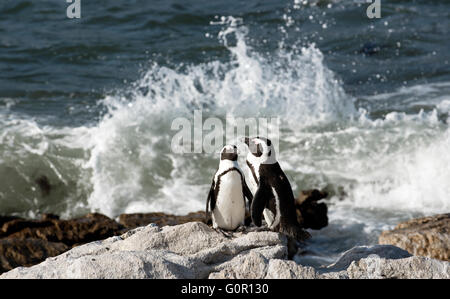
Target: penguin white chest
[
  {"x": 253, "y": 175},
  {"x": 229, "y": 211}
]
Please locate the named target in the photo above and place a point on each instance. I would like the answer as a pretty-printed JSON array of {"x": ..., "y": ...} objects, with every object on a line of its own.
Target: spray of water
[
  {"x": 124, "y": 163},
  {"x": 132, "y": 163}
]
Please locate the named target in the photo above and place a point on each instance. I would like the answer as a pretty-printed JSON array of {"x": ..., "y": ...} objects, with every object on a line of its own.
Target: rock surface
[
  {"x": 27, "y": 242},
  {"x": 191, "y": 250},
  {"x": 385, "y": 261},
  {"x": 50, "y": 228},
  {"x": 27, "y": 252},
  {"x": 360, "y": 252},
  {"x": 414, "y": 267},
  {"x": 131, "y": 221},
  {"x": 428, "y": 236},
  {"x": 194, "y": 250}
]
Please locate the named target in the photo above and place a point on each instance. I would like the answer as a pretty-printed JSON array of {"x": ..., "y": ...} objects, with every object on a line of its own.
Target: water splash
[
  {"x": 124, "y": 163},
  {"x": 132, "y": 163}
]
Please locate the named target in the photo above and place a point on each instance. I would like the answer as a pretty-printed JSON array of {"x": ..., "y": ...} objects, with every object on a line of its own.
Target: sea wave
[{"x": 395, "y": 160}]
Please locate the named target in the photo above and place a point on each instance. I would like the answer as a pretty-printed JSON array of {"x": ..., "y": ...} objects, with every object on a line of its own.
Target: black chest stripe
[
  {"x": 214, "y": 192},
  {"x": 227, "y": 171},
  {"x": 217, "y": 187}
]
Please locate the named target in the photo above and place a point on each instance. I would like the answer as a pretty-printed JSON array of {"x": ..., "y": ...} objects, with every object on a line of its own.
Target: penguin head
[
  {"x": 229, "y": 152},
  {"x": 261, "y": 150}
]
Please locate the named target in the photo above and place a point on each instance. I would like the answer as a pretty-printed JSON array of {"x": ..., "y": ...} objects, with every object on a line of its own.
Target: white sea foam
[
  {"x": 31, "y": 152},
  {"x": 132, "y": 165},
  {"x": 397, "y": 162}
]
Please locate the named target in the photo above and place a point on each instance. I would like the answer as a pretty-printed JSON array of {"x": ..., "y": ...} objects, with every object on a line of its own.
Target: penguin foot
[
  {"x": 295, "y": 232},
  {"x": 240, "y": 229},
  {"x": 228, "y": 235}
]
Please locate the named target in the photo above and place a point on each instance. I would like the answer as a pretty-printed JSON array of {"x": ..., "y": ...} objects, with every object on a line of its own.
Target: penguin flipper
[
  {"x": 259, "y": 202},
  {"x": 247, "y": 193},
  {"x": 210, "y": 201}
]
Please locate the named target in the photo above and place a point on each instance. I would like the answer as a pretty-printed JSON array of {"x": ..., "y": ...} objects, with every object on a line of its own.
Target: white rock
[
  {"x": 194, "y": 250},
  {"x": 414, "y": 267},
  {"x": 289, "y": 269},
  {"x": 247, "y": 266},
  {"x": 359, "y": 252},
  {"x": 385, "y": 261},
  {"x": 191, "y": 250}
]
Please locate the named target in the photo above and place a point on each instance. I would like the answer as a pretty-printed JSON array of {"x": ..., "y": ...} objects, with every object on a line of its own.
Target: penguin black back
[{"x": 274, "y": 192}]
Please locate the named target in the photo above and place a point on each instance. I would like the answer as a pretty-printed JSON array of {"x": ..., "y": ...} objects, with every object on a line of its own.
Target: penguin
[
  {"x": 273, "y": 197},
  {"x": 226, "y": 198}
]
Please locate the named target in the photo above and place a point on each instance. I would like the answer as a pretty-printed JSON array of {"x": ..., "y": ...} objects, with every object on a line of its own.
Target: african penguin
[
  {"x": 273, "y": 196},
  {"x": 226, "y": 198}
]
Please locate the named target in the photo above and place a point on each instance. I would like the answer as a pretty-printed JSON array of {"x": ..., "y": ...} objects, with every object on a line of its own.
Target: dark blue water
[
  {"x": 86, "y": 104},
  {"x": 49, "y": 63}
]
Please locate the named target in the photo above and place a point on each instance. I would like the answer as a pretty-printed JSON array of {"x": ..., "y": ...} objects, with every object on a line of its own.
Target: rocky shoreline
[
  {"x": 25, "y": 242},
  {"x": 427, "y": 236},
  {"x": 195, "y": 250},
  {"x": 158, "y": 245}
]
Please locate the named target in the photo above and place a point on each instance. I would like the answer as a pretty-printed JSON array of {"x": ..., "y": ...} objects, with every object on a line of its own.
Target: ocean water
[{"x": 86, "y": 105}]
